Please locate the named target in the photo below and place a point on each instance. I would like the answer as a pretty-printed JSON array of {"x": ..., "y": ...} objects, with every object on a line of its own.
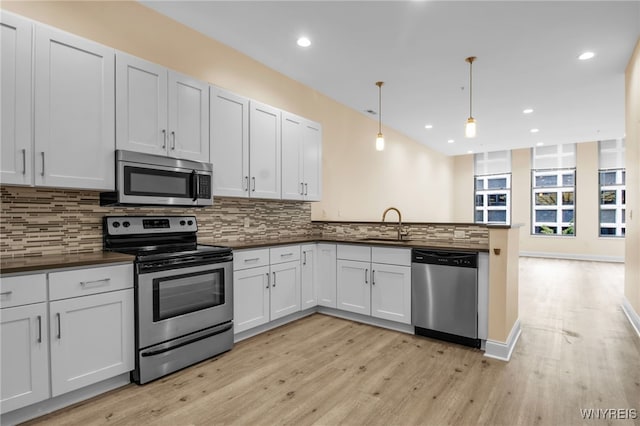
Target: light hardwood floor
[{"x": 577, "y": 351}]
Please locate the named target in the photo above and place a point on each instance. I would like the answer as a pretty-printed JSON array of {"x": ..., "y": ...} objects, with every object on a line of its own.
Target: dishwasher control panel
[{"x": 446, "y": 258}]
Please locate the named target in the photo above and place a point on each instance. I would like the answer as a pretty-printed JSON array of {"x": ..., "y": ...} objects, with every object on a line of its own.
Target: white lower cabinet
[
  {"x": 308, "y": 283},
  {"x": 266, "y": 285},
  {"x": 85, "y": 337},
  {"x": 375, "y": 281},
  {"x": 325, "y": 274},
  {"x": 25, "y": 360}
]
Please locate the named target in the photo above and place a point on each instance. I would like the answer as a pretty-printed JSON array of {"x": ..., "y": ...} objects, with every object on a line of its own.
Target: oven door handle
[
  {"x": 191, "y": 338},
  {"x": 194, "y": 185}
]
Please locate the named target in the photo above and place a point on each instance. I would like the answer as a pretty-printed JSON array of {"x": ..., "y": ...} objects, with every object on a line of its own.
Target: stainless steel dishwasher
[{"x": 444, "y": 295}]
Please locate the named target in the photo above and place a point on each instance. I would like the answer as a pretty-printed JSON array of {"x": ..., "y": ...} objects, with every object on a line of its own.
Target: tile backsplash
[{"x": 39, "y": 221}]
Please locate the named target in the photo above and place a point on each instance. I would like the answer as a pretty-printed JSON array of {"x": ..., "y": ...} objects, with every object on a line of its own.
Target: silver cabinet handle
[
  {"x": 88, "y": 283},
  {"x": 268, "y": 280},
  {"x": 286, "y": 254},
  {"x": 42, "y": 153},
  {"x": 39, "y": 319},
  {"x": 253, "y": 181},
  {"x": 301, "y": 188},
  {"x": 173, "y": 137},
  {"x": 373, "y": 277},
  {"x": 59, "y": 326},
  {"x": 253, "y": 259},
  {"x": 304, "y": 257},
  {"x": 6, "y": 293},
  {"x": 24, "y": 161},
  {"x": 366, "y": 273},
  {"x": 306, "y": 189},
  {"x": 245, "y": 187},
  {"x": 274, "y": 279},
  {"x": 164, "y": 138}
]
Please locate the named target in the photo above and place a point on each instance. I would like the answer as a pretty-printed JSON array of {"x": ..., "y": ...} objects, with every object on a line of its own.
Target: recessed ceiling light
[
  {"x": 586, "y": 55},
  {"x": 540, "y": 144},
  {"x": 450, "y": 141},
  {"x": 428, "y": 126},
  {"x": 534, "y": 130},
  {"x": 527, "y": 111},
  {"x": 304, "y": 42}
]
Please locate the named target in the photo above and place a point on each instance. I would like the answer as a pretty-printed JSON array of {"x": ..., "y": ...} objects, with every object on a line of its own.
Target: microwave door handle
[{"x": 194, "y": 185}]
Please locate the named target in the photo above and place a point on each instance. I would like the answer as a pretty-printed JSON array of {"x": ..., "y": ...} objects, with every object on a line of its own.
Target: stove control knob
[
  {"x": 116, "y": 224},
  {"x": 182, "y": 223},
  {"x": 190, "y": 222},
  {"x": 126, "y": 224}
]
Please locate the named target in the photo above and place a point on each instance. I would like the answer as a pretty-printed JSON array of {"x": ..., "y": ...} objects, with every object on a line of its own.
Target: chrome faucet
[{"x": 400, "y": 232}]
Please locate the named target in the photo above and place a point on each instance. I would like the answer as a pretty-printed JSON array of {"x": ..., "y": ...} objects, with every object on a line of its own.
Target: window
[
  {"x": 492, "y": 187},
  {"x": 612, "y": 195},
  {"x": 553, "y": 181}
]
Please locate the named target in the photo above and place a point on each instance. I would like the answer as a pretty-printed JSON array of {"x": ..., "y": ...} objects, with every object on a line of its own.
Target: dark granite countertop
[
  {"x": 433, "y": 244},
  {"x": 54, "y": 261}
]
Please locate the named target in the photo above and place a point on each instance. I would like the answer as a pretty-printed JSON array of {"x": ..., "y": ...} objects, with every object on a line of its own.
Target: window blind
[
  {"x": 554, "y": 157},
  {"x": 492, "y": 163},
  {"x": 611, "y": 154}
]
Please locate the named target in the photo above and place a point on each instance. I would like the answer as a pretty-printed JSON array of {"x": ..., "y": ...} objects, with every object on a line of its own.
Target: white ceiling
[{"x": 527, "y": 57}]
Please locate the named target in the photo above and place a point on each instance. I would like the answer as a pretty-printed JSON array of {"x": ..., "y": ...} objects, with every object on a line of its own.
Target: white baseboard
[
  {"x": 273, "y": 324},
  {"x": 572, "y": 256},
  {"x": 366, "y": 319},
  {"x": 501, "y": 350},
  {"x": 633, "y": 316},
  {"x": 50, "y": 405}
]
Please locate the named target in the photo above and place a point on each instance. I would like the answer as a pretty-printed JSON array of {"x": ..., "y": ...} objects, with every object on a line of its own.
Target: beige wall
[
  {"x": 586, "y": 243},
  {"x": 358, "y": 184},
  {"x": 503, "y": 282},
  {"x": 632, "y": 254}
]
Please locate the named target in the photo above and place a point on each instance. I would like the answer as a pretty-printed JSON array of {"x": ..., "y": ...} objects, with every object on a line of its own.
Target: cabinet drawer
[
  {"x": 82, "y": 282},
  {"x": 354, "y": 252},
  {"x": 22, "y": 290},
  {"x": 244, "y": 259},
  {"x": 284, "y": 254},
  {"x": 391, "y": 256}
]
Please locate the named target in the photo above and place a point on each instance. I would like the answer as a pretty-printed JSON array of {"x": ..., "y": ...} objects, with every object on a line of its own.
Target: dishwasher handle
[{"x": 446, "y": 258}]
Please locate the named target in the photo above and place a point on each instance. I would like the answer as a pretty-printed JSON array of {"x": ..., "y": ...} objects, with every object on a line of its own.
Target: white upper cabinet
[
  {"x": 160, "y": 111},
  {"x": 301, "y": 158},
  {"x": 16, "y": 155},
  {"x": 264, "y": 151},
  {"x": 74, "y": 111},
  {"x": 229, "y": 143}
]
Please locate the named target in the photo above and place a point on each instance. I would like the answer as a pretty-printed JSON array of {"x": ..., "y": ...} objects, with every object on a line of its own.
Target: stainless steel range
[{"x": 183, "y": 292}]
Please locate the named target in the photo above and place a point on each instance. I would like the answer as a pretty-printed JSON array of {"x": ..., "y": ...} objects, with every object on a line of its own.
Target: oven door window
[
  {"x": 157, "y": 183},
  {"x": 182, "y": 294}
]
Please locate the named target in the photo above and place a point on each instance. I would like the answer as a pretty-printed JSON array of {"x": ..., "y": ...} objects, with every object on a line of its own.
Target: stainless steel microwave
[{"x": 146, "y": 179}]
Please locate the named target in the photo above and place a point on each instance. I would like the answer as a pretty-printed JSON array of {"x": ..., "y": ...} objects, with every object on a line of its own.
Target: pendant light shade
[
  {"x": 470, "y": 127},
  {"x": 380, "y": 137}
]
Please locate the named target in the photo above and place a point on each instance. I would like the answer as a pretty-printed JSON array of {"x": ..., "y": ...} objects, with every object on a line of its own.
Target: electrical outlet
[
  {"x": 246, "y": 222},
  {"x": 459, "y": 234}
]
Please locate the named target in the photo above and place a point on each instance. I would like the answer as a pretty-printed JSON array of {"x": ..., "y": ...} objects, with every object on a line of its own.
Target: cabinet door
[
  {"x": 250, "y": 298},
  {"x": 24, "y": 361},
  {"x": 141, "y": 105},
  {"x": 229, "y": 121},
  {"x": 188, "y": 118},
  {"x": 307, "y": 277},
  {"x": 91, "y": 339},
  {"x": 74, "y": 111},
  {"x": 354, "y": 286},
  {"x": 312, "y": 161},
  {"x": 285, "y": 289},
  {"x": 292, "y": 147},
  {"x": 264, "y": 151},
  {"x": 326, "y": 275},
  {"x": 391, "y": 292},
  {"x": 16, "y": 154}
]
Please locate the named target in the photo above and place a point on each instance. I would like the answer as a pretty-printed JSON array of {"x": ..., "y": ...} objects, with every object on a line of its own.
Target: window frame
[
  {"x": 618, "y": 207},
  {"x": 486, "y": 192},
  {"x": 560, "y": 225}
]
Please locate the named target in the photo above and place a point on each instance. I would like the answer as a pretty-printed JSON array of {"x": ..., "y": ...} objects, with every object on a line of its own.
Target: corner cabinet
[
  {"x": 16, "y": 152},
  {"x": 301, "y": 158},
  {"x": 83, "y": 335},
  {"x": 160, "y": 111},
  {"x": 74, "y": 111}
]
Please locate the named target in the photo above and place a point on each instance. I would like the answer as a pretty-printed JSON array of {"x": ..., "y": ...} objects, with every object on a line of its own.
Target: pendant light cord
[
  {"x": 470, "y": 88},
  {"x": 379, "y": 106}
]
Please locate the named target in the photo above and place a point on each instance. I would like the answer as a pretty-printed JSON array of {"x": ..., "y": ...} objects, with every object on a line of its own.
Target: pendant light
[
  {"x": 380, "y": 138},
  {"x": 470, "y": 128}
]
